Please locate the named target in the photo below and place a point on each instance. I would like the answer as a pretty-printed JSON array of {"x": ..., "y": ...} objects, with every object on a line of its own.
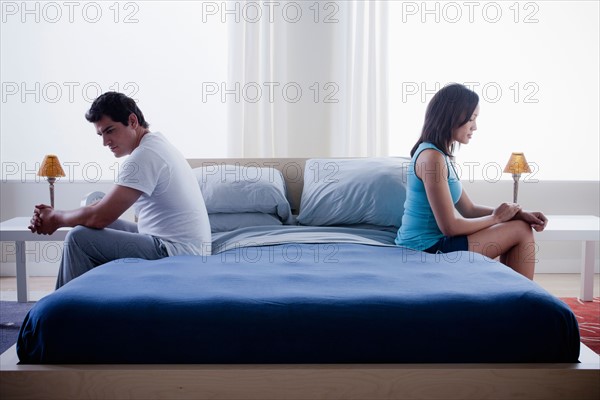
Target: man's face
[{"x": 119, "y": 138}]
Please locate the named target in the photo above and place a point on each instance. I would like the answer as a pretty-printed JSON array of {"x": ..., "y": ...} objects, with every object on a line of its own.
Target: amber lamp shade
[
  {"x": 517, "y": 164},
  {"x": 51, "y": 169}
]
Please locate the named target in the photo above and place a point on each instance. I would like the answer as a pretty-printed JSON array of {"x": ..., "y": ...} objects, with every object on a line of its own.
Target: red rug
[{"x": 588, "y": 318}]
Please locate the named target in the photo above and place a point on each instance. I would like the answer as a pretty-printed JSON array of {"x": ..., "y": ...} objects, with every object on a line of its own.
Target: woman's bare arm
[{"x": 431, "y": 168}]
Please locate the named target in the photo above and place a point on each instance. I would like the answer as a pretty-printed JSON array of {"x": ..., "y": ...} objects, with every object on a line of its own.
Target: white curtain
[
  {"x": 360, "y": 129},
  {"x": 257, "y": 62},
  {"x": 350, "y": 53}
]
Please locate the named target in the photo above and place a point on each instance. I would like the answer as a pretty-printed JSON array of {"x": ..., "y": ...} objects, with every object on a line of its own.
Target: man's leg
[
  {"x": 87, "y": 248},
  {"x": 124, "y": 225}
]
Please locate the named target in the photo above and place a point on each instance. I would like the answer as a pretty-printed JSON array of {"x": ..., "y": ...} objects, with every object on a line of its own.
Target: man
[{"x": 155, "y": 179}]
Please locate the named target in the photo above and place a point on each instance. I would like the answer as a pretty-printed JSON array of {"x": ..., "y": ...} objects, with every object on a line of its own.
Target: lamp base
[
  {"x": 516, "y": 178},
  {"x": 51, "y": 182}
]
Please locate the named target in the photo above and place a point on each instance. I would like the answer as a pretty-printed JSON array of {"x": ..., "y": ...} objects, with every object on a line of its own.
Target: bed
[{"x": 305, "y": 296}]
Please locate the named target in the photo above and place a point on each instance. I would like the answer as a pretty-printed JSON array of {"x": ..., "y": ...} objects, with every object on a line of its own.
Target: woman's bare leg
[{"x": 512, "y": 241}]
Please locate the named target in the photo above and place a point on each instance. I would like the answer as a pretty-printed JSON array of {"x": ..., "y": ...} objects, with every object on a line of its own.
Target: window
[{"x": 534, "y": 66}]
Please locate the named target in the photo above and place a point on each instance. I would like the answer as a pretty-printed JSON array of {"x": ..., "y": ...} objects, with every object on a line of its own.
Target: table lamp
[
  {"x": 51, "y": 169},
  {"x": 517, "y": 164}
]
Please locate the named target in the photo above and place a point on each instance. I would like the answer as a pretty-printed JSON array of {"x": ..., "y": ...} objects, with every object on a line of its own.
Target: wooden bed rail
[{"x": 298, "y": 381}]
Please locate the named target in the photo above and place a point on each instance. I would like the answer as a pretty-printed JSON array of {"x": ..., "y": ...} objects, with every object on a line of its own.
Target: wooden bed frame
[{"x": 300, "y": 381}]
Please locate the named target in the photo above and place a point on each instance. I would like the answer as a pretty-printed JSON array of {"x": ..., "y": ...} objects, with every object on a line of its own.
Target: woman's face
[{"x": 463, "y": 133}]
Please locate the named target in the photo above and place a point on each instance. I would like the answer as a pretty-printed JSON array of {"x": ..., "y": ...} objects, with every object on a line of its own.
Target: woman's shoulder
[
  {"x": 424, "y": 146},
  {"x": 431, "y": 155},
  {"x": 430, "y": 161},
  {"x": 429, "y": 145},
  {"x": 429, "y": 149}
]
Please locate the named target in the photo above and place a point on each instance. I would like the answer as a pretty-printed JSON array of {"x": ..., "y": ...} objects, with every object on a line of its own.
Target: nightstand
[
  {"x": 15, "y": 230},
  {"x": 581, "y": 228}
]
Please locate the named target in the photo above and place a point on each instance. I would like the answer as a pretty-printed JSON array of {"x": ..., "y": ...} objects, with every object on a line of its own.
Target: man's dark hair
[
  {"x": 117, "y": 106},
  {"x": 449, "y": 109}
]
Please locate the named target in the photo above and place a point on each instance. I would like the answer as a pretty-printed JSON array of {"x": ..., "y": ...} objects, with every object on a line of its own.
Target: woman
[{"x": 434, "y": 191}]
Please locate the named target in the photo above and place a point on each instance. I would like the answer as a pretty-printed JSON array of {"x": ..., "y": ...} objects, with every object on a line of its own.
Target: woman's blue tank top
[{"x": 419, "y": 229}]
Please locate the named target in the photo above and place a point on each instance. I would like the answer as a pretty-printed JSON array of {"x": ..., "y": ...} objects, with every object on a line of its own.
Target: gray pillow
[
  {"x": 354, "y": 191},
  {"x": 239, "y": 189}
]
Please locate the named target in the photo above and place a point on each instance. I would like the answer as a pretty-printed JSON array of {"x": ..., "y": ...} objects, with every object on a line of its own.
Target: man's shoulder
[
  {"x": 153, "y": 138},
  {"x": 152, "y": 142}
]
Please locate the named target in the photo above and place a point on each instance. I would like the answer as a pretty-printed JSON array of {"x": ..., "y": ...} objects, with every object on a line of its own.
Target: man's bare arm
[{"x": 46, "y": 220}]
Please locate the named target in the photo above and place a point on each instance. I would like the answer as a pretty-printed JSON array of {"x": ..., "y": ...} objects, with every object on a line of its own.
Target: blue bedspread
[{"x": 301, "y": 303}]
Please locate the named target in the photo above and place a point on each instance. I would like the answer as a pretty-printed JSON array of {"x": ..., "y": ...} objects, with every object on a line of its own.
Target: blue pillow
[
  {"x": 240, "y": 189},
  {"x": 230, "y": 222},
  {"x": 354, "y": 191}
]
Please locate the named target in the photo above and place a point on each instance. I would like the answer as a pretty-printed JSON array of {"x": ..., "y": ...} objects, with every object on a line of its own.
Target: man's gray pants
[{"x": 86, "y": 248}]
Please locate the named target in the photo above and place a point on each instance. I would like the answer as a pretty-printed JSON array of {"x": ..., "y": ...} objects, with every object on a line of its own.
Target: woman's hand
[
  {"x": 505, "y": 212},
  {"x": 536, "y": 219}
]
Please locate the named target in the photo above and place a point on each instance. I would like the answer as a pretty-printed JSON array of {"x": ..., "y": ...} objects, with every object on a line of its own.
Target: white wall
[{"x": 57, "y": 57}]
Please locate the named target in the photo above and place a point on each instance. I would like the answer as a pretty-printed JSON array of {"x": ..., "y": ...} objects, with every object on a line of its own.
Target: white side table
[
  {"x": 581, "y": 228},
  {"x": 15, "y": 230}
]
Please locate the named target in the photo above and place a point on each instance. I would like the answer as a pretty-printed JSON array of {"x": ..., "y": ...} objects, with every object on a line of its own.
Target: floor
[
  {"x": 39, "y": 286},
  {"x": 565, "y": 285},
  {"x": 560, "y": 285}
]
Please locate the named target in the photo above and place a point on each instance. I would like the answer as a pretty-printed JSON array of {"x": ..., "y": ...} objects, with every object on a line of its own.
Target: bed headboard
[{"x": 291, "y": 168}]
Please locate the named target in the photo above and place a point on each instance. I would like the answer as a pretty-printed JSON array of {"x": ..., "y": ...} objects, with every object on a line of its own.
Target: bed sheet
[
  {"x": 295, "y": 302},
  {"x": 285, "y": 234}
]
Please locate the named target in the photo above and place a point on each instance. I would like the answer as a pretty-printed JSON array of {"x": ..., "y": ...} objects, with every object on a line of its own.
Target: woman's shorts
[{"x": 449, "y": 244}]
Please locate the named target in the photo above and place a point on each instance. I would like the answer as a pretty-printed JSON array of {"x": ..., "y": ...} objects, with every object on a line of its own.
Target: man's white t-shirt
[{"x": 171, "y": 206}]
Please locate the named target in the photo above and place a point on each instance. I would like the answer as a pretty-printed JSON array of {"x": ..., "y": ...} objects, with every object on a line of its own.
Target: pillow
[
  {"x": 354, "y": 191},
  {"x": 230, "y": 222},
  {"x": 237, "y": 189},
  {"x": 91, "y": 198}
]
